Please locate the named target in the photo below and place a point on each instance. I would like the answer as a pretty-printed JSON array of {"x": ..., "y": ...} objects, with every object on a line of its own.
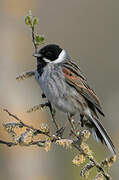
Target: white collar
[{"x": 62, "y": 57}]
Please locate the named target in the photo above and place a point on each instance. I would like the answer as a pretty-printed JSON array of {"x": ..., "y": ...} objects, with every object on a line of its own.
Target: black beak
[{"x": 37, "y": 55}]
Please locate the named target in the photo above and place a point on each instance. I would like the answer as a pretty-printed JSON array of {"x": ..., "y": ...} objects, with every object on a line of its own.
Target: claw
[{"x": 60, "y": 132}]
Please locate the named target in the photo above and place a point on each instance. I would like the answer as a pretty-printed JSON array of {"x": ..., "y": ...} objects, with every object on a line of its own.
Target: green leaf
[
  {"x": 39, "y": 39},
  {"x": 34, "y": 20},
  {"x": 28, "y": 20},
  {"x": 42, "y": 39}
]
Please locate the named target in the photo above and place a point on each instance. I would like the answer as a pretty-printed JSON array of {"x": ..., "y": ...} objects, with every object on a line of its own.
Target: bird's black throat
[{"x": 40, "y": 66}]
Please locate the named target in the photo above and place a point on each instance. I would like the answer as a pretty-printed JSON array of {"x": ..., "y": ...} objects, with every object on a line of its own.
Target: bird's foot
[{"x": 60, "y": 132}]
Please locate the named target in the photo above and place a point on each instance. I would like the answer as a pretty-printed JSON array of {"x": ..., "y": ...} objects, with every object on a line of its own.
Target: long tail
[{"x": 100, "y": 134}]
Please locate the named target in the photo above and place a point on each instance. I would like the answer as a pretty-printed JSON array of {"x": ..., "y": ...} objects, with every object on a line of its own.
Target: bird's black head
[{"x": 49, "y": 53}]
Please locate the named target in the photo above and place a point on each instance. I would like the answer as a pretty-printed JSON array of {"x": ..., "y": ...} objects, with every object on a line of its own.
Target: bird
[{"x": 66, "y": 88}]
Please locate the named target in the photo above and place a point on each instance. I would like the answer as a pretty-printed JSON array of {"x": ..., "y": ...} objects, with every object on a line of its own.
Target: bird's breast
[{"x": 55, "y": 88}]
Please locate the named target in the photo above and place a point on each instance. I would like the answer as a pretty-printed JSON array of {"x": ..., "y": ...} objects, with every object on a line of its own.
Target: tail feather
[{"x": 100, "y": 134}]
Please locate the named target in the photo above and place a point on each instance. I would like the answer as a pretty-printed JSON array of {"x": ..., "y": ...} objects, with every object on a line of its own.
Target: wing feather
[{"x": 75, "y": 78}]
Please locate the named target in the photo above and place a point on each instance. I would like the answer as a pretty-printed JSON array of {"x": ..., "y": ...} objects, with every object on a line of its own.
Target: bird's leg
[
  {"x": 60, "y": 131},
  {"x": 47, "y": 104},
  {"x": 81, "y": 119},
  {"x": 52, "y": 111},
  {"x": 71, "y": 120},
  {"x": 53, "y": 114}
]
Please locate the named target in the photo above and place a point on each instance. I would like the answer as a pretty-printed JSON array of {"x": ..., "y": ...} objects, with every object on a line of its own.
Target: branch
[
  {"x": 33, "y": 39},
  {"x": 25, "y": 75},
  {"x": 9, "y": 144},
  {"x": 32, "y": 21},
  {"x": 78, "y": 142},
  {"x": 36, "y": 131}
]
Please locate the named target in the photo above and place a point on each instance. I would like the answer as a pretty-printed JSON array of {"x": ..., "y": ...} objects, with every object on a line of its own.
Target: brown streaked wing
[
  {"x": 75, "y": 78},
  {"x": 74, "y": 68}
]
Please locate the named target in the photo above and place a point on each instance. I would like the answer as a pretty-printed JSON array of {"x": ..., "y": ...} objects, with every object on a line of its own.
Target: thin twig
[
  {"x": 33, "y": 39},
  {"x": 53, "y": 114},
  {"x": 97, "y": 165},
  {"x": 37, "y": 107},
  {"x": 37, "y": 131},
  {"x": 25, "y": 75},
  {"x": 9, "y": 144}
]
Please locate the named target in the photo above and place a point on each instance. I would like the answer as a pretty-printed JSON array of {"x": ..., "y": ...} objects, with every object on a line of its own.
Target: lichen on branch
[{"x": 26, "y": 138}]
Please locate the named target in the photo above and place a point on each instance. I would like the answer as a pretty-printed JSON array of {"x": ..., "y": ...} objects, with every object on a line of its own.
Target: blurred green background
[{"x": 89, "y": 30}]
